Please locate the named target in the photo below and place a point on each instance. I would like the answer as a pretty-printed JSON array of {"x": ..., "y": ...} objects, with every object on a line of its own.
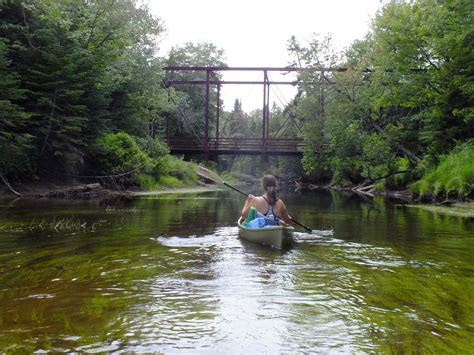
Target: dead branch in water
[{"x": 9, "y": 186}]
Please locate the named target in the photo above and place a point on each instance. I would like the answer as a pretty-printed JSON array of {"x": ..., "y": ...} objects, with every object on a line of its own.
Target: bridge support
[
  {"x": 206, "y": 124},
  {"x": 265, "y": 113},
  {"x": 218, "y": 112}
]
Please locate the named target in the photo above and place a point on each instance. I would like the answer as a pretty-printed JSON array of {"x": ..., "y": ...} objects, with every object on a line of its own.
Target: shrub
[
  {"x": 118, "y": 153},
  {"x": 153, "y": 147}
]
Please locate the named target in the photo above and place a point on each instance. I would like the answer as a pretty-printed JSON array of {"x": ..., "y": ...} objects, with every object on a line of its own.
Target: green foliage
[
  {"x": 191, "y": 98},
  {"x": 147, "y": 158},
  {"x": 15, "y": 161},
  {"x": 15, "y": 144},
  {"x": 169, "y": 181},
  {"x": 118, "y": 153},
  {"x": 377, "y": 156},
  {"x": 62, "y": 67},
  {"x": 153, "y": 147},
  {"x": 170, "y": 167},
  {"x": 146, "y": 182},
  {"x": 404, "y": 176},
  {"x": 454, "y": 176},
  {"x": 405, "y": 100}
]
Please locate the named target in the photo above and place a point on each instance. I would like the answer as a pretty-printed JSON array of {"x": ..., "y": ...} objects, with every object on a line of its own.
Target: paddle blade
[
  {"x": 323, "y": 233},
  {"x": 208, "y": 174}
]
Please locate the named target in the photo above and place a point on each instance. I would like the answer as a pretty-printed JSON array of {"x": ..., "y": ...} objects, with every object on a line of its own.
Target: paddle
[{"x": 211, "y": 175}]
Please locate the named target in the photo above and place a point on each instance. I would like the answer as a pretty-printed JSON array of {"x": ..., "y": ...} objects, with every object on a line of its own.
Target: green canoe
[{"x": 277, "y": 237}]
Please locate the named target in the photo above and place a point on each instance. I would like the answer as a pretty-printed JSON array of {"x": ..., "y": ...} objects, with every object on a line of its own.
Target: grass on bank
[{"x": 453, "y": 177}]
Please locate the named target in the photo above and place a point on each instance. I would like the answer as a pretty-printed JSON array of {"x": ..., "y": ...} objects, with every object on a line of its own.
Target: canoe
[{"x": 277, "y": 237}]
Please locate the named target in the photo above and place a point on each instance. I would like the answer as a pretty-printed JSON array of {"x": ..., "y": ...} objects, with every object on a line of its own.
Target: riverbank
[
  {"x": 56, "y": 190},
  {"x": 94, "y": 190},
  {"x": 458, "y": 207}
]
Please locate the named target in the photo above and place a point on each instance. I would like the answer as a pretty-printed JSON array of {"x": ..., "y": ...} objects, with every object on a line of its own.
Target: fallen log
[
  {"x": 364, "y": 188},
  {"x": 74, "y": 191}
]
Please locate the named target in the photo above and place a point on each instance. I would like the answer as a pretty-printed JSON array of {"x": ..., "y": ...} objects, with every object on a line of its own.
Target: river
[{"x": 167, "y": 273}]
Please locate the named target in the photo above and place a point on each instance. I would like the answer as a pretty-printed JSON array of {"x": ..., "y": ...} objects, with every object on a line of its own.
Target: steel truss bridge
[{"x": 212, "y": 144}]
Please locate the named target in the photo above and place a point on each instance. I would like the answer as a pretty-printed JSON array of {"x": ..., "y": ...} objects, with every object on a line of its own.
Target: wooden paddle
[{"x": 211, "y": 175}]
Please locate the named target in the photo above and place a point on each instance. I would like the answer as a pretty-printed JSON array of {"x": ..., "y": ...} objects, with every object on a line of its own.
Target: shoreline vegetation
[{"x": 82, "y": 100}]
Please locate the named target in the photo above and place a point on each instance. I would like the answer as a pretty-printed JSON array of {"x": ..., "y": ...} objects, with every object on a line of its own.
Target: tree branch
[
  {"x": 408, "y": 153},
  {"x": 9, "y": 186}
]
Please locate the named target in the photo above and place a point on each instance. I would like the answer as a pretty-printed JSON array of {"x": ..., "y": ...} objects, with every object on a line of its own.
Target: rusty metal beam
[
  {"x": 223, "y": 82},
  {"x": 284, "y": 69},
  {"x": 264, "y": 112},
  {"x": 231, "y": 68},
  {"x": 218, "y": 109},
  {"x": 212, "y": 152},
  {"x": 287, "y": 69},
  {"x": 206, "y": 123}
]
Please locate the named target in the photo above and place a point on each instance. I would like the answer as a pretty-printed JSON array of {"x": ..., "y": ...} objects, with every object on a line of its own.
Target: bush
[
  {"x": 153, "y": 147},
  {"x": 118, "y": 153},
  {"x": 453, "y": 176}
]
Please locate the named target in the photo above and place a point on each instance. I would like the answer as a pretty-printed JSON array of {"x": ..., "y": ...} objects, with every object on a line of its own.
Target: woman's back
[
  {"x": 278, "y": 208},
  {"x": 269, "y": 202}
]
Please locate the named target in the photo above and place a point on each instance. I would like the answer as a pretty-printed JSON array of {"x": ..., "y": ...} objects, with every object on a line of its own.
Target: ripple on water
[{"x": 222, "y": 237}]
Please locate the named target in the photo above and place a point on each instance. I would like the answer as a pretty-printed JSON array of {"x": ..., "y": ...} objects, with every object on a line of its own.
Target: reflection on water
[{"x": 169, "y": 274}]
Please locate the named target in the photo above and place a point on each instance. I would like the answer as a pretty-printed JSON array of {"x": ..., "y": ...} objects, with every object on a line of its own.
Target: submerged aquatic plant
[{"x": 55, "y": 225}]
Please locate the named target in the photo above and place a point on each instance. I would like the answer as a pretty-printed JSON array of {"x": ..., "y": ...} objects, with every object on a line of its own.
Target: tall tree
[
  {"x": 193, "y": 101},
  {"x": 70, "y": 57},
  {"x": 15, "y": 145}
]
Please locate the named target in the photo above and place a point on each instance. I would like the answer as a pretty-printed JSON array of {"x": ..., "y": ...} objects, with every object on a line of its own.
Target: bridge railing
[{"x": 274, "y": 145}]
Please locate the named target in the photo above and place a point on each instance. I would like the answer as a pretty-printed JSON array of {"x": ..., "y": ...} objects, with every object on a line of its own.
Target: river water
[{"x": 168, "y": 273}]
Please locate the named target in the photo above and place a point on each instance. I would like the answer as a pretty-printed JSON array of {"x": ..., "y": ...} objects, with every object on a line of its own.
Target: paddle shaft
[
  {"x": 234, "y": 188},
  {"x": 243, "y": 193}
]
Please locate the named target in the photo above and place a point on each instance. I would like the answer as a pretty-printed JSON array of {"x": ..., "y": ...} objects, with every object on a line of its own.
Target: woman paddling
[{"x": 268, "y": 205}]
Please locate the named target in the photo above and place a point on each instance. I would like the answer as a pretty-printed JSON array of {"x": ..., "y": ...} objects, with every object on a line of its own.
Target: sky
[{"x": 255, "y": 33}]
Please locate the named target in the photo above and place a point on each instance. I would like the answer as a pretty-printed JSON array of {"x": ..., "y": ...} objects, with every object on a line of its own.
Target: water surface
[{"x": 168, "y": 274}]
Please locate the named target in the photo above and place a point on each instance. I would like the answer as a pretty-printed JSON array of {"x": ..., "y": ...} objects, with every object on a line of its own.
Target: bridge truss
[{"x": 218, "y": 145}]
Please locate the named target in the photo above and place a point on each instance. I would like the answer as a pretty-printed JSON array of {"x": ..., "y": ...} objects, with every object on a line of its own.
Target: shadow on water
[{"x": 169, "y": 273}]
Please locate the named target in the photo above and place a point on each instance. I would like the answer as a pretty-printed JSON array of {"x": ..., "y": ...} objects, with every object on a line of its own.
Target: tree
[
  {"x": 70, "y": 58},
  {"x": 193, "y": 102},
  {"x": 15, "y": 145},
  {"x": 406, "y": 96}
]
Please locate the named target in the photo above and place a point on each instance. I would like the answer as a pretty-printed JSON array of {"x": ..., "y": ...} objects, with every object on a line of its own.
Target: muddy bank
[{"x": 58, "y": 191}]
